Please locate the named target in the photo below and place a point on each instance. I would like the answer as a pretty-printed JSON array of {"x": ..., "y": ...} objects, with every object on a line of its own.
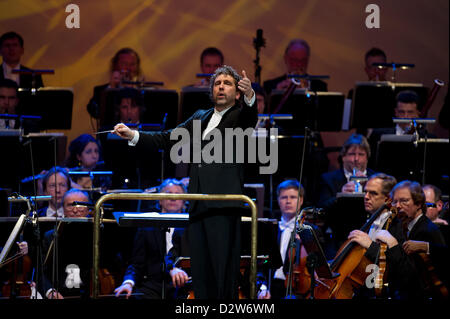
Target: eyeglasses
[
  {"x": 431, "y": 205},
  {"x": 402, "y": 201}
]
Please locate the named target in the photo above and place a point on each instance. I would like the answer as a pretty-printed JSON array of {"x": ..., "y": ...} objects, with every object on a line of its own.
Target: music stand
[
  {"x": 54, "y": 105},
  {"x": 373, "y": 103},
  {"x": 192, "y": 99},
  {"x": 401, "y": 157},
  {"x": 316, "y": 260},
  {"x": 321, "y": 111}
]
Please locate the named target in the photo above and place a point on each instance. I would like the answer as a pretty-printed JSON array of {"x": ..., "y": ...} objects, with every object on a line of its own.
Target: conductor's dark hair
[
  {"x": 11, "y": 35},
  {"x": 288, "y": 184},
  {"x": 226, "y": 70},
  {"x": 212, "y": 51}
]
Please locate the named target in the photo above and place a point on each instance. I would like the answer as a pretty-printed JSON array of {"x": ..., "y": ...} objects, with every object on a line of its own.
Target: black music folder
[
  {"x": 373, "y": 103},
  {"x": 320, "y": 111},
  {"x": 192, "y": 99},
  {"x": 53, "y": 104}
]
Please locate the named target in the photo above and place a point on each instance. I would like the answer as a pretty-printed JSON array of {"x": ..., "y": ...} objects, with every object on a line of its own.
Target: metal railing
[{"x": 160, "y": 196}]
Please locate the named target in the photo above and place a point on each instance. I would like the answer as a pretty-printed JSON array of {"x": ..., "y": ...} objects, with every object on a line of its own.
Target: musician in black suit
[
  {"x": 125, "y": 65},
  {"x": 8, "y": 103},
  {"x": 146, "y": 273},
  {"x": 214, "y": 228},
  {"x": 296, "y": 59},
  {"x": 12, "y": 49},
  {"x": 354, "y": 154},
  {"x": 423, "y": 236}
]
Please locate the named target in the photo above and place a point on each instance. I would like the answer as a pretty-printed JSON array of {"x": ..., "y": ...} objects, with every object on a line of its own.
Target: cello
[{"x": 350, "y": 262}]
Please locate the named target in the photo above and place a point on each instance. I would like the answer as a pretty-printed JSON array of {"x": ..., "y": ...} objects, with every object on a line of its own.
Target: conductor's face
[{"x": 225, "y": 92}]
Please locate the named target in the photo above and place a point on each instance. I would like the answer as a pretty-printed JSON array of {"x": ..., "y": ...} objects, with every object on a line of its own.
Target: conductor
[{"x": 214, "y": 226}]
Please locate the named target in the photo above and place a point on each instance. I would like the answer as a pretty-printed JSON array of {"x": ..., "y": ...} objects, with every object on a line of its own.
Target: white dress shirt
[
  {"x": 7, "y": 73},
  {"x": 286, "y": 228}
]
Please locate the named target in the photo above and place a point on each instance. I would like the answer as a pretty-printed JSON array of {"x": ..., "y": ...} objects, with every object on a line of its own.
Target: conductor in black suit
[
  {"x": 12, "y": 49},
  {"x": 214, "y": 226},
  {"x": 296, "y": 59}
]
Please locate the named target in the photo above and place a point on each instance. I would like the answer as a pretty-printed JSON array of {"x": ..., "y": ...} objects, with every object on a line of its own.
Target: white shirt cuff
[
  {"x": 252, "y": 100},
  {"x": 135, "y": 139},
  {"x": 128, "y": 281}
]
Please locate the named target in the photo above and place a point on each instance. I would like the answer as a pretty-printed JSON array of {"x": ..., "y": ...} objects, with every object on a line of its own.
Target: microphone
[{"x": 259, "y": 40}]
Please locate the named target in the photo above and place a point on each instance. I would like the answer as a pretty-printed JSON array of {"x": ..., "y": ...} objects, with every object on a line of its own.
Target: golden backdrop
[{"x": 169, "y": 36}]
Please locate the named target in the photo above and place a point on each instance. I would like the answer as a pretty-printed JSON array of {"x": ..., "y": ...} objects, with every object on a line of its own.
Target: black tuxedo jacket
[
  {"x": 208, "y": 178},
  {"x": 316, "y": 85},
  {"x": 26, "y": 80},
  {"x": 330, "y": 184},
  {"x": 147, "y": 260}
]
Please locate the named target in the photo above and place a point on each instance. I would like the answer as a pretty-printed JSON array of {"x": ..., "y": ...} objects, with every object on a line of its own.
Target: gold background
[{"x": 169, "y": 36}]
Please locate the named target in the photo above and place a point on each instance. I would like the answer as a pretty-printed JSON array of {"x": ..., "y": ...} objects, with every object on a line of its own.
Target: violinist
[
  {"x": 423, "y": 236},
  {"x": 290, "y": 194},
  {"x": 5, "y": 271},
  {"x": 377, "y": 193},
  {"x": 296, "y": 59}
]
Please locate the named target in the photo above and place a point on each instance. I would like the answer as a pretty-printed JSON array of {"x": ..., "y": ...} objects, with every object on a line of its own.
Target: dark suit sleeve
[{"x": 136, "y": 268}]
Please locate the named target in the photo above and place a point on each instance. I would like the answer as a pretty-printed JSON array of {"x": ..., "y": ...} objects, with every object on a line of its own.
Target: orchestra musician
[
  {"x": 296, "y": 59},
  {"x": 145, "y": 273}
]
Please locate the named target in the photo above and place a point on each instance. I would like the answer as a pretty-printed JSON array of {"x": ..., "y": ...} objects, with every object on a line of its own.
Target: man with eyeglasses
[{"x": 423, "y": 236}]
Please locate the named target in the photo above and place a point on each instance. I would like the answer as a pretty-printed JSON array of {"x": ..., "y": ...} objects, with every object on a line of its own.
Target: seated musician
[
  {"x": 290, "y": 194},
  {"x": 8, "y": 103},
  {"x": 74, "y": 254},
  {"x": 125, "y": 65},
  {"x": 435, "y": 205},
  {"x": 407, "y": 106},
  {"x": 56, "y": 183},
  {"x": 12, "y": 50},
  {"x": 353, "y": 157},
  {"x": 210, "y": 59},
  {"x": 296, "y": 59},
  {"x": 145, "y": 272},
  {"x": 85, "y": 154},
  {"x": 423, "y": 236}
]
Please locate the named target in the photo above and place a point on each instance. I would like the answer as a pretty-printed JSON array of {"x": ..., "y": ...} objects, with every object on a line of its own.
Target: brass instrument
[{"x": 431, "y": 97}]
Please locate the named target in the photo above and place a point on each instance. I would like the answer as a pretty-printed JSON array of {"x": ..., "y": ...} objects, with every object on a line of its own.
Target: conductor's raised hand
[
  {"x": 245, "y": 85},
  {"x": 123, "y": 131}
]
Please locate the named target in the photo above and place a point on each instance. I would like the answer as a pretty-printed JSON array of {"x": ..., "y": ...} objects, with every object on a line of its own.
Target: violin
[{"x": 18, "y": 268}]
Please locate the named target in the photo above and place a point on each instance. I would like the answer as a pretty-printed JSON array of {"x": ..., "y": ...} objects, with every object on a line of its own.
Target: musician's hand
[
  {"x": 123, "y": 131},
  {"x": 349, "y": 187},
  {"x": 179, "y": 277},
  {"x": 415, "y": 246},
  {"x": 245, "y": 85},
  {"x": 386, "y": 237},
  {"x": 114, "y": 81},
  {"x": 283, "y": 85},
  {"x": 440, "y": 221},
  {"x": 125, "y": 287},
  {"x": 54, "y": 295},
  {"x": 361, "y": 238},
  {"x": 264, "y": 293},
  {"x": 23, "y": 246}
]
